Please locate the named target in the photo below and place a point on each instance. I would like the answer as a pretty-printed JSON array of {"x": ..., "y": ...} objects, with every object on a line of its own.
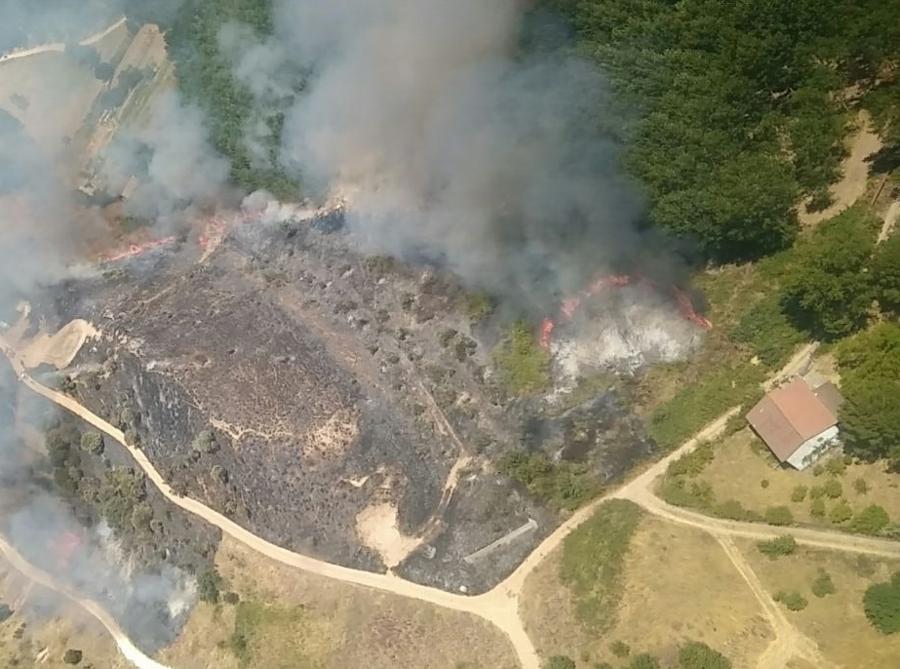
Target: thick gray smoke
[{"x": 452, "y": 145}]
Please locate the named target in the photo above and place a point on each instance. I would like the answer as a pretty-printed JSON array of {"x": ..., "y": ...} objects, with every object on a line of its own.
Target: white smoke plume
[{"x": 454, "y": 145}]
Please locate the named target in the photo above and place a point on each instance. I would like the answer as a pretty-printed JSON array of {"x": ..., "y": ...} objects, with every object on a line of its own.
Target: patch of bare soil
[
  {"x": 852, "y": 186},
  {"x": 378, "y": 529}
]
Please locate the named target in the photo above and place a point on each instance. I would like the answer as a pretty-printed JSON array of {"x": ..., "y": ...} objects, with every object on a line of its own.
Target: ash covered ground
[{"x": 296, "y": 386}]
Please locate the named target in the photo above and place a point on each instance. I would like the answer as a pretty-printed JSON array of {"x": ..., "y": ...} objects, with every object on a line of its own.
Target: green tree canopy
[
  {"x": 882, "y": 605},
  {"x": 886, "y": 275},
  {"x": 828, "y": 288},
  {"x": 870, "y": 371},
  {"x": 697, "y": 655}
]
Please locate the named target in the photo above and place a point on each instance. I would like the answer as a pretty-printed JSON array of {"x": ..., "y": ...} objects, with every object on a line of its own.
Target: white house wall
[{"x": 812, "y": 449}]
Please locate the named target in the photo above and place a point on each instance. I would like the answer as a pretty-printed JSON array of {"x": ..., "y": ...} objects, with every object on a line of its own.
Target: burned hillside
[{"x": 340, "y": 405}]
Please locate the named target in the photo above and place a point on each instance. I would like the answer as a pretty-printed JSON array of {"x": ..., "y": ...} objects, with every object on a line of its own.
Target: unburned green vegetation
[
  {"x": 564, "y": 485},
  {"x": 593, "y": 559},
  {"x": 881, "y": 604},
  {"x": 522, "y": 365},
  {"x": 257, "y": 628}
]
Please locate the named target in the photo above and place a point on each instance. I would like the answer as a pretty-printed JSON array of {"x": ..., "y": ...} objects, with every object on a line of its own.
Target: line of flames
[{"x": 570, "y": 305}]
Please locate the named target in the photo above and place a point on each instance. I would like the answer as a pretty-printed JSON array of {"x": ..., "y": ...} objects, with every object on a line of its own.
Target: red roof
[{"x": 789, "y": 416}]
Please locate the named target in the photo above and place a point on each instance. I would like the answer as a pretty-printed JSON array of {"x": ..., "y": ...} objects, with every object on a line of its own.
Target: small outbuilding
[{"x": 797, "y": 422}]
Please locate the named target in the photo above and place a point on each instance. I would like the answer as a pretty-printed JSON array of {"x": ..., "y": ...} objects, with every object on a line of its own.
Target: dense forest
[
  {"x": 742, "y": 106},
  {"x": 206, "y": 78}
]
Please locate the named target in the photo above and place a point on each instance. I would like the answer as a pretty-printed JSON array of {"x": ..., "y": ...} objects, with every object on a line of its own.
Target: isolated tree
[
  {"x": 560, "y": 662},
  {"x": 209, "y": 583},
  {"x": 871, "y": 520},
  {"x": 882, "y": 605},
  {"x": 697, "y": 655}
]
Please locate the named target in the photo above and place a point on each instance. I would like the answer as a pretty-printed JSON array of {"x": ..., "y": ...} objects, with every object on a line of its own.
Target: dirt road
[
  {"x": 500, "y": 605},
  {"x": 58, "y": 47},
  {"x": 128, "y": 649}
]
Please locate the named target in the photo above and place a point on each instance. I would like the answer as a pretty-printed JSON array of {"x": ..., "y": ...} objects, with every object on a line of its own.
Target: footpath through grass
[{"x": 593, "y": 560}]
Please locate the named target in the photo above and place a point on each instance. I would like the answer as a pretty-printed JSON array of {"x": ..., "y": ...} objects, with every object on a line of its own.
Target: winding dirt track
[
  {"x": 59, "y": 47},
  {"x": 500, "y": 605},
  {"x": 128, "y": 649}
]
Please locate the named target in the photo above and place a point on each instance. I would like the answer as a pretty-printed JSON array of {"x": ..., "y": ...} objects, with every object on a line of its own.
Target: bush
[
  {"x": 643, "y": 661},
  {"x": 734, "y": 510},
  {"x": 871, "y": 520},
  {"x": 817, "y": 508},
  {"x": 92, "y": 442},
  {"x": 764, "y": 484},
  {"x": 770, "y": 334},
  {"x": 697, "y": 655},
  {"x": 523, "y": 366},
  {"x": 818, "y": 469},
  {"x": 823, "y": 585},
  {"x": 860, "y": 486},
  {"x": 209, "y": 583},
  {"x": 693, "y": 463},
  {"x": 779, "y": 515},
  {"x": 205, "y": 442},
  {"x": 882, "y": 605},
  {"x": 833, "y": 488},
  {"x": 816, "y": 492},
  {"x": 620, "y": 648},
  {"x": 799, "y": 493},
  {"x": 565, "y": 485},
  {"x": 231, "y": 598},
  {"x": 836, "y": 466},
  {"x": 840, "y": 513},
  {"x": 794, "y": 601},
  {"x": 783, "y": 545},
  {"x": 560, "y": 662},
  {"x": 72, "y": 656}
]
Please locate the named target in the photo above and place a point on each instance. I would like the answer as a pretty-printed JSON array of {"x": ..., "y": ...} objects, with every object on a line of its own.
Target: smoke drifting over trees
[{"x": 452, "y": 144}]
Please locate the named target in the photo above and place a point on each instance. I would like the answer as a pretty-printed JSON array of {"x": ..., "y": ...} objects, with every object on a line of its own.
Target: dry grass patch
[
  {"x": 678, "y": 585},
  {"x": 742, "y": 463},
  {"x": 836, "y": 622},
  {"x": 43, "y": 627},
  {"x": 288, "y": 618}
]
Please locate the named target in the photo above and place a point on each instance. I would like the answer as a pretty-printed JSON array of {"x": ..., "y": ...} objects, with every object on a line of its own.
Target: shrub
[
  {"x": 818, "y": 469},
  {"x": 523, "y": 366},
  {"x": 92, "y": 442},
  {"x": 644, "y": 661},
  {"x": 560, "y": 662},
  {"x": 871, "y": 520},
  {"x": 693, "y": 463},
  {"x": 882, "y": 605},
  {"x": 764, "y": 484},
  {"x": 208, "y": 585},
  {"x": 817, "y": 508},
  {"x": 816, "y": 492},
  {"x": 836, "y": 466},
  {"x": 823, "y": 585},
  {"x": 841, "y": 513},
  {"x": 697, "y": 655},
  {"x": 794, "y": 601},
  {"x": 620, "y": 648},
  {"x": 860, "y": 486},
  {"x": 565, "y": 485},
  {"x": 783, "y": 545},
  {"x": 231, "y": 598},
  {"x": 205, "y": 442},
  {"x": 734, "y": 510},
  {"x": 799, "y": 493},
  {"x": 833, "y": 488},
  {"x": 72, "y": 656},
  {"x": 769, "y": 333},
  {"x": 865, "y": 566},
  {"x": 779, "y": 515}
]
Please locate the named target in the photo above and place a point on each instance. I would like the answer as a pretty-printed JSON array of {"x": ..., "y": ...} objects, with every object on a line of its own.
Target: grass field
[
  {"x": 290, "y": 620},
  {"x": 43, "y": 627},
  {"x": 836, "y": 621},
  {"x": 676, "y": 585},
  {"x": 743, "y": 452}
]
